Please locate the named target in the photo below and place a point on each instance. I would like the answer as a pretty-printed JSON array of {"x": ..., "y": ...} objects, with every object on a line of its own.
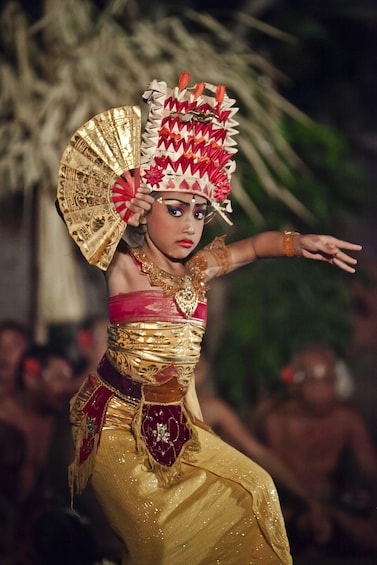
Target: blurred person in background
[
  {"x": 13, "y": 453},
  {"x": 325, "y": 442},
  {"x": 225, "y": 422},
  {"x": 15, "y": 339},
  {"x": 85, "y": 349},
  {"x": 91, "y": 341},
  {"x": 44, "y": 386},
  {"x": 362, "y": 352}
]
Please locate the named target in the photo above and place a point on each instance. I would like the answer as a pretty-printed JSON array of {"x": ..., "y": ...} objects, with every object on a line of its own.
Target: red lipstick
[{"x": 186, "y": 243}]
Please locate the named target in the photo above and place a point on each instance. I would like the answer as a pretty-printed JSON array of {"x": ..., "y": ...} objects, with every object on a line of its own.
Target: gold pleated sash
[{"x": 143, "y": 349}]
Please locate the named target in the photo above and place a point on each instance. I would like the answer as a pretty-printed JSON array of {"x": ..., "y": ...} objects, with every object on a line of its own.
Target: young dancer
[{"x": 171, "y": 489}]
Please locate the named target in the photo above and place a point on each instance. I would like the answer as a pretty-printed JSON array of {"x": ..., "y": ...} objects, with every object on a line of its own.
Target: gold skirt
[{"x": 224, "y": 510}]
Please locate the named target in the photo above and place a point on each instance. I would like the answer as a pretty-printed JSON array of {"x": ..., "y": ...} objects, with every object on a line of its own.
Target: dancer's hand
[
  {"x": 139, "y": 206},
  {"x": 327, "y": 248}
]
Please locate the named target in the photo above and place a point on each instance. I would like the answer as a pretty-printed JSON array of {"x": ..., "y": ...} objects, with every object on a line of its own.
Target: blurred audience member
[
  {"x": 61, "y": 537},
  {"x": 89, "y": 345},
  {"x": 92, "y": 343},
  {"x": 44, "y": 386},
  {"x": 326, "y": 443},
  {"x": 13, "y": 452},
  {"x": 36, "y": 523},
  {"x": 15, "y": 339},
  {"x": 224, "y": 421},
  {"x": 362, "y": 353}
]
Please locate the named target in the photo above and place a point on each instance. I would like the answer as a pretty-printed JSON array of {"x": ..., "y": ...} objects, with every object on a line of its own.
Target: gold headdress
[{"x": 187, "y": 146}]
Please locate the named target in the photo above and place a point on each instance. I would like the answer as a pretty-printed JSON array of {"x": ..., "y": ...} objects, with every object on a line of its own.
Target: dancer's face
[{"x": 175, "y": 223}]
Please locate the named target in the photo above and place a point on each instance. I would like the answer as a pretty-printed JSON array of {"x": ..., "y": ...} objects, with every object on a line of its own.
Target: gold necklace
[{"x": 186, "y": 290}]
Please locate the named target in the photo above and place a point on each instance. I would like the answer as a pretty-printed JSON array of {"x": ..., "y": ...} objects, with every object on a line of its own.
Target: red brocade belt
[{"x": 161, "y": 424}]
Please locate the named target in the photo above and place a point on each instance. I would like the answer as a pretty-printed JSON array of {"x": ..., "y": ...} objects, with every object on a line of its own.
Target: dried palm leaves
[{"x": 76, "y": 62}]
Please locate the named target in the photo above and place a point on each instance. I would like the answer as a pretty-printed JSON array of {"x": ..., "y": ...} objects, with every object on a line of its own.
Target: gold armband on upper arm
[{"x": 221, "y": 253}]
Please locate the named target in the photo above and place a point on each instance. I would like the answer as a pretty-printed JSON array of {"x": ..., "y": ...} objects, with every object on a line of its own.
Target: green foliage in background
[{"x": 275, "y": 306}]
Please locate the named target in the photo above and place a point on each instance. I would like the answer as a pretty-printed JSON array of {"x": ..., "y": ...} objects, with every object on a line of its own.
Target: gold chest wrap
[{"x": 143, "y": 349}]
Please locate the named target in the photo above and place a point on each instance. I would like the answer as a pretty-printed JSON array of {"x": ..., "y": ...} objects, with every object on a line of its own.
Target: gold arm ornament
[{"x": 287, "y": 243}]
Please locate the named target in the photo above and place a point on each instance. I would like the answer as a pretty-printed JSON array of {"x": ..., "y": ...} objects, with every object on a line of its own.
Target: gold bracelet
[{"x": 287, "y": 243}]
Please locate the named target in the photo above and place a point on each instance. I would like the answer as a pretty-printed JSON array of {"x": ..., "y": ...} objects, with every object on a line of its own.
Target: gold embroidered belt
[
  {"x": 167, "y": 390},
  {"x": 161, "y": 425}
]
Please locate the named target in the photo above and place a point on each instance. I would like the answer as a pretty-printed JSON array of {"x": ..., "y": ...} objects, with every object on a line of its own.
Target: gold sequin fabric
[
  {"x": 223, "y": 511},
  {"x": 223, "y": 508},
  {"x": 131, "y": 352}
]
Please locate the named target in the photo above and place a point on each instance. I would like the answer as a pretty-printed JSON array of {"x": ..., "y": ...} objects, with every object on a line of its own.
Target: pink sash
[{"x": 148, "y": 305}]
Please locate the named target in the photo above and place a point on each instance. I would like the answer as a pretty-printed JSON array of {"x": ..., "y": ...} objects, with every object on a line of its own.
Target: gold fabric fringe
[
  {"x": 84, "y": 427},
  {"x": 80, "y": 473}
]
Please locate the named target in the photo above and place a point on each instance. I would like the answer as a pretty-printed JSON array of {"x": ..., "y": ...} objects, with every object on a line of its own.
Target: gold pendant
[
  {"x": 186, "y": 290},
  {"x": 186, "y": 300}
]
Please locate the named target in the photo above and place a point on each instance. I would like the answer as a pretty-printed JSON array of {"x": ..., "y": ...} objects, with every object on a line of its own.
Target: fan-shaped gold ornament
[{"x": 98, "y": 153}]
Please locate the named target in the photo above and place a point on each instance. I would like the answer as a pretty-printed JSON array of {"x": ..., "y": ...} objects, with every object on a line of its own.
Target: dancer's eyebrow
[{"x": 173, "y": 201}]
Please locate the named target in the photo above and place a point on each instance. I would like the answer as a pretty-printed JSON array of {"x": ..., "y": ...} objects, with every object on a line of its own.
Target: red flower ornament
[
  {"x": 32, "y": 366},
  {"x": 222, "y": 191},
  {"x": 154, "y": 176}
]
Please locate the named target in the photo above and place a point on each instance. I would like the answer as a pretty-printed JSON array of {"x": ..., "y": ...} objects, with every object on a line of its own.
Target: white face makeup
[
  {"x": 177, "y": 207},
  {"x": 175, "y": 223}
]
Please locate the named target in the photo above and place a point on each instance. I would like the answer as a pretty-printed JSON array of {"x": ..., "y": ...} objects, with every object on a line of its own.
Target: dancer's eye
[
  {"x": 176, "y": 211},
  {"x": 200, "y": 213}
]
